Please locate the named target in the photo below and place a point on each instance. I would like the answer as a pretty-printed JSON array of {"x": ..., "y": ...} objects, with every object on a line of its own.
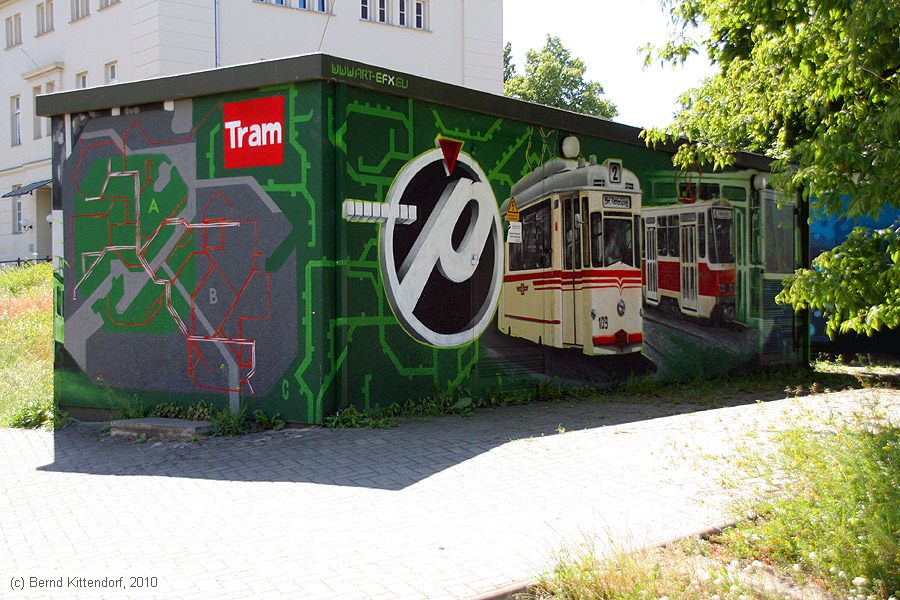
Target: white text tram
[{"x": 574, "y": 280}]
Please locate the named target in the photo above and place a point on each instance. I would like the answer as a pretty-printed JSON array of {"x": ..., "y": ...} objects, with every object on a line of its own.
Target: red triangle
[{"x": 450, "y": 149}]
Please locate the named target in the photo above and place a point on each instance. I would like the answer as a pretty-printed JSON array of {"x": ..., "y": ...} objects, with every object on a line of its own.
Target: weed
[
  {"x": 134, "y": 408},
  {"x": 226, "y": 424},
  {"x": 836, "y": 509},
  {"x": 26, "y": 355},
  {"x": 549, "y": 390},
  {"x": 352, "y": 418},
  {"x": 199, "y": 411},
  {"x": 168, "y": 410},
  {"x": 641, "y": 575},
  {"x": 18, "y": 280},
  {"x": 640, "y": 385},
  {"x": 37, "y": 413},
  {"x": 266, "y": 422}
]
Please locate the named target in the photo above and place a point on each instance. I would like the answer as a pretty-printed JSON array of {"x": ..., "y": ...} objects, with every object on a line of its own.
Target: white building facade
[{"x": 57, "y": 45}]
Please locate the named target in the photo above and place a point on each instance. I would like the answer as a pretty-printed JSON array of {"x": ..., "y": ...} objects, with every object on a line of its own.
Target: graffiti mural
[{"x": 308, "y": 246}]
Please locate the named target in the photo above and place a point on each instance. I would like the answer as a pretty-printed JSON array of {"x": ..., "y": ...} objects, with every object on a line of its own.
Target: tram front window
[
  {"x": 721, "y": 244},
  {"x": 616, "y": 239}
]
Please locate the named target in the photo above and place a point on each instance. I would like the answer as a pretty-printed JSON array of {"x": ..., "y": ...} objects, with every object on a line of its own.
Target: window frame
[
  {"x": 80, "y": 78},
  {"x": 402, "y": 13},
  {"x": 364, "y": 10},
  {"x": 15, "y": 120},
  {"x": 79, "y": 9},
  {"x": 114, "y": 65},
  {"x": 537, "y": 222},
  {"x": 37, "y": 121},
  {"x": 44, "y": 17},
  {"x": 104, "y": 4},
  {"x": 420, "y": 15},
  {"x": 381, "y": 11},
  {"x": 18, "y": 211},
  {"x": 14, "y": 30}
]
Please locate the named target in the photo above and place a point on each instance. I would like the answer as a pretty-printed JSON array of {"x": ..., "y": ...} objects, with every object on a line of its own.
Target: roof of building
[{"x": 324, "y": 67}]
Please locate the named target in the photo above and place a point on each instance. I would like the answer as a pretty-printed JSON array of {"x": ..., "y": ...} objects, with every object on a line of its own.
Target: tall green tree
[
  {"x": 556, "y": 78},
  {"x": 509, "y": 67},
  {"x": 816, "y": 85}
]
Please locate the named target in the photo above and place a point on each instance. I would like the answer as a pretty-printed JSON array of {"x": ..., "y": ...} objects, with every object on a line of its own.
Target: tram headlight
[{"x": 620, "y": 308}]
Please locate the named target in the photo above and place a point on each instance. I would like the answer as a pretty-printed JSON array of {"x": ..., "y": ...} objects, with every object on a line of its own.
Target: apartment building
[{"x": 56, "y": 45}]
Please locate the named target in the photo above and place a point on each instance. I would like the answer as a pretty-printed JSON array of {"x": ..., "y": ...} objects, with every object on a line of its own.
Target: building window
[
  {"x": 107, "y": 3},
  {"x": 363, "y": 11},
  {"x": 37, "y": 121},
  {"x": 81, "y": 80},
  {"x": 44, "y": 17},
  {"x": 382, "y": 11},
  {"x": 13, "y": 30},
  {"x": 112, "y": 72},
  {"x": 322, "y": 5},
  {"x": 80, "y": 9},
  {"x": 17, "y": 213},
  {"x": 15, "y": 111},
  {"x": 401, "y": 14},
  {"x": 420, "y": 14}
]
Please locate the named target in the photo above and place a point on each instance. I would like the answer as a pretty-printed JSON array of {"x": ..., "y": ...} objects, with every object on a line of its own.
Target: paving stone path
[{"x": 445, "y": 508}]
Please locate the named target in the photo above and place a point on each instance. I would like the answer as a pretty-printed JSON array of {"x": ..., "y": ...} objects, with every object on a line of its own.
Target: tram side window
[
  {"x": 721, "y": 233},
  {"x": 597, "y": 239},
  {"x": 701, "y": 235},
  {"x": 673, "y": 236},
  {"x": 535, "y": 251},
  {"x": 662, "y": 246}
]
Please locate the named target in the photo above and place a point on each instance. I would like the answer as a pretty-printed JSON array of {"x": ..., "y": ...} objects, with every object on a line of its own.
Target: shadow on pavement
[{"x": 389, "y": 459}]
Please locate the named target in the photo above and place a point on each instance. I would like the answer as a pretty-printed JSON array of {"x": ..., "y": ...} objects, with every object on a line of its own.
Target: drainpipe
[{"x": 218, "y": 46}]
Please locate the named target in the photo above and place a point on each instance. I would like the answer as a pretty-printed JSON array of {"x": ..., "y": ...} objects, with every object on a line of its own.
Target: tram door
[
  {"x": 742, "y": 268},
  {"x": 652, "y": 273},
  {"x": 572, "y": 299},
  {"x": 689, "y": 267}
]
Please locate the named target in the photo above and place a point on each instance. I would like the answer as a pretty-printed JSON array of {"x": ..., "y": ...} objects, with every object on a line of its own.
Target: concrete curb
[{"x": 514, "y": 590}]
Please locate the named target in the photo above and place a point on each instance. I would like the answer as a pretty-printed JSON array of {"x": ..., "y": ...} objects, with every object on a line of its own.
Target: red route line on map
[{"x": 193, "y": 340}]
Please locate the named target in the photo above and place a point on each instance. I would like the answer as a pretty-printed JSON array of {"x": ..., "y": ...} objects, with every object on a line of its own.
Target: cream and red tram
[
  {"x": 689, "y": 258},
  {"x": 574, "y": 279}
]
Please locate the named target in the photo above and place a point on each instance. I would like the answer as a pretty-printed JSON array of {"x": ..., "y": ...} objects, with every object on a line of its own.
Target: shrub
[{"x": 226, "y": 424}]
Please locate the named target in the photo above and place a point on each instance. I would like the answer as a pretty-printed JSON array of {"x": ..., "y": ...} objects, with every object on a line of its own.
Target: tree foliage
[
  {"x": 509, "y": 67},
  {"x": 816, "y": 85},
  {"x": 856, "y": 283},
  {"x": 556, "y": 78},
  {"x": 812, "y": 83}
]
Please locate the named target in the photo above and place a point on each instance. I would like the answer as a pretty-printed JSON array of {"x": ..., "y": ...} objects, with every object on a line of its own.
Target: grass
[
  {"x": 835, "y": 510},
  {"x": 681, "y": 571},
  {"x": 826, "y": 522},
  {"x": 26, "y": 355}
]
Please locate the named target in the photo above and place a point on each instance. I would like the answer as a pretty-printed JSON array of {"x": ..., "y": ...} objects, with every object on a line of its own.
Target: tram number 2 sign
[{"x": 443, "y": 271}]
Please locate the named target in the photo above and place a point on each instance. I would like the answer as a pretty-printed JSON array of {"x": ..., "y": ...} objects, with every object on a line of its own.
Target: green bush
[
  {"x": 226, "y": 424},
  {"x": 168, "y": 410},
  {"x": 14, "y": 281},
  {"x": 263, "y": 420},
  {"x": 199, "y": 411}
]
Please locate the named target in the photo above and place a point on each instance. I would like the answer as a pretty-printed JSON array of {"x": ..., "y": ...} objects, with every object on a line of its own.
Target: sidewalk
[{"x": 446, "y": 508}]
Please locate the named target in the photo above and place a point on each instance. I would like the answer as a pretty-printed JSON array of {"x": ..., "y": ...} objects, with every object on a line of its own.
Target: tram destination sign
[{"x": 616, "y": 201}]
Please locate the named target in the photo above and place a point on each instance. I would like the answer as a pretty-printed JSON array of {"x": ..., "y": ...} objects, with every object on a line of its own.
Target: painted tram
[
  {"x": 689, "y": 264},
  {"x": 572, "y": 263}
]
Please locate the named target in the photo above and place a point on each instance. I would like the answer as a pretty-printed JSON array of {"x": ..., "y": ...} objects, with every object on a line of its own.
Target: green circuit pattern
[
  {"x": 345, "y": 142},
  {"x": 352, "y": 144}
]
